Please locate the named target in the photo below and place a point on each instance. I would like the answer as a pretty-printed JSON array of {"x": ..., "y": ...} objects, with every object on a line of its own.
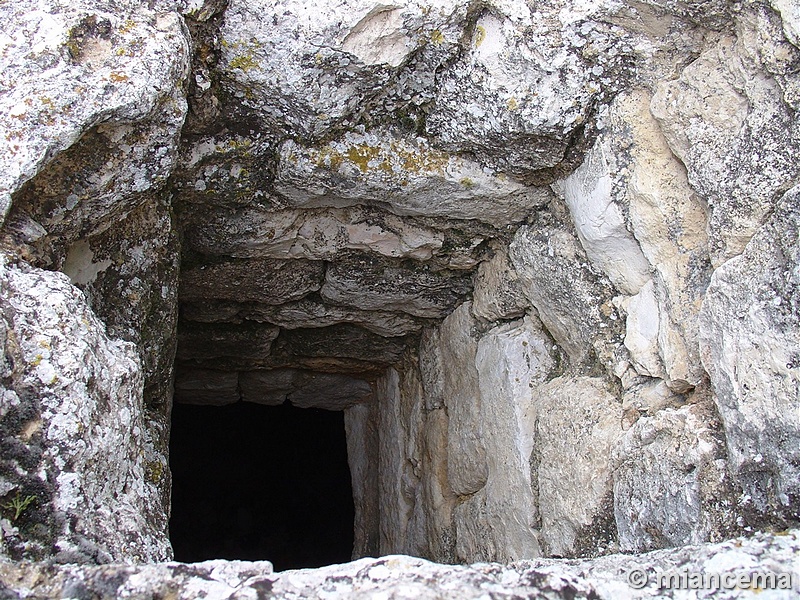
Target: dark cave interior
[{"x": 254, "y": 482}]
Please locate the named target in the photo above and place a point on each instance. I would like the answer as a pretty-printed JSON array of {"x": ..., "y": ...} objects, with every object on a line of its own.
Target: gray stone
[
  {"x": 210, "y": 342},
  {"x": 668, "y": 470},
  {"x": 404, "y": 174},
  {"x": 558, "y": 282},
  {"x": 750, "y": 343},
  {"x": 117, "y": 69},
  {"x": 303, "y": 389},
  {"x": 266, "y": 281},
  {"x": 206, "y": 387},
  {"x": 603, "y": 578},
  {"x": 727, "y": 122},
  {"x": 370, "y": 284},
  {"x": 498, "y": 292},
  {"x": 73, "y": 406}
]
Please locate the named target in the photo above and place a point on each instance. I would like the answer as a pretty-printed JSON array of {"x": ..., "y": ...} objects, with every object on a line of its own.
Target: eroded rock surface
[
  {"x": 407, "y": 577},
  {"x": 543, "y": 256}
]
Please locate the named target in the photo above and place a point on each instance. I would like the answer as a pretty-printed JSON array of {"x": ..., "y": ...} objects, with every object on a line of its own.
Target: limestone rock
[
  {"x": 255, "y": 232},
  {"x": 211, "y": 342},
  {"x": 205, "y": 386},
  {"x": 727, "y": 122},
  {"x": 557, "y": 281},
  {"x": 750, "y": 342},
  {"x": 307, "y": 69},
  {"x": 646, "y": 192},
  {"x": 573, "y": 497},
  {"x": 668, "y": 219},
  {"x": 599, "y": 221},
  {"x": 340, "y": 341},
  {"x": 267, "y": 281},
  {"x": 497, "y": 293},
  {"x": 641, "y": 332},
  {"x": 467, "y": 466},
  {"x": 361, "y": 430},
  {"x": 525, "y": 84},
  {"x": 72, "y": 403},
  {"x": 303, "y": 389},
  {"x": 405, "y": 174},
  {"x": 669, "y": 471},
  {"x": 406, "y": 577},
  {"x": 367, "y": 283},
  {"x": 68, "y": 69},
  {"x": 498, "y": 521},
  {"x": 302, "y": 314}
]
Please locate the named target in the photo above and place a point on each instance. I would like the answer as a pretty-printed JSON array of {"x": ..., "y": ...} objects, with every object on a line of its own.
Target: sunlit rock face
[{"x": 543, "y": 256}]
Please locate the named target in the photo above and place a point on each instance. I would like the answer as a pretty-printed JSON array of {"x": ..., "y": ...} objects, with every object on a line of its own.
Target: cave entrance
[{"x": 255, "y": 482}]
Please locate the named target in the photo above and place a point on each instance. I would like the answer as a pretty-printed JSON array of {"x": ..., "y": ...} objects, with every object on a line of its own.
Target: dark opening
[{"x": 255, "y": 482}]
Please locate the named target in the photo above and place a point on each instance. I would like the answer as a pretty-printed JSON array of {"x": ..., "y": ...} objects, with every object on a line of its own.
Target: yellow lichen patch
[
  {"x": 326, "y": 157},
  {"x": 37, "y": 361},
  {"x": 422, "y": 161},
  {"x": 480, "y": 35},
  {"x": 117, "y": 77},
  {"x": 512, "y": 104},
  {"x": 243, "y": 62},
  {"x": 437, "y": 37},
  {"x": 362, "y": 154},
  {"x": 392, "y": 159},
  {"x": 128, "y": 26},
  {"x": 154, "y": 471},
  {"x": 467, "y": 182}
]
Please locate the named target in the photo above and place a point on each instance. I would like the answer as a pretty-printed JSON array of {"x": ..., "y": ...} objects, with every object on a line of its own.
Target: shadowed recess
[{"x": 255, "y": 482}]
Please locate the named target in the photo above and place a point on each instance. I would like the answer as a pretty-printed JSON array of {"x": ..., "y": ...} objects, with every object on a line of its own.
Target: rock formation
[{"x": 543, "y": 255}]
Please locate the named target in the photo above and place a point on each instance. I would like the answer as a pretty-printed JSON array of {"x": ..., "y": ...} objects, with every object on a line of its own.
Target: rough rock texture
[
  {"x": 544, "y": 255},
  {"x": 72, "y": 403},
  {"x": 750, "y": 331},
  {"x": 405, "y": 577}
]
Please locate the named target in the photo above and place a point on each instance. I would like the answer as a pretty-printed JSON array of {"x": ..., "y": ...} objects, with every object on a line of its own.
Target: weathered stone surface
[
  {"x": 407, "y": 577},
  {"x": 526, "y": 84},
  {"x": 557, "y": 281},
  {"x": 306, "y": 69},
  {"x": 575, "y": 417},
  {"x": 404, "y": 174},
  {"x": 728, "y": 123},
  {"x": 750, "y": 342},
  {"x": 210, "y": 342},
  {"x": 599, "y": 222},
  {"x": 68, "y": 69},
  {"x": 669, "y": 220},
  {"x": 497, "y": 293},
  {"x": 205, "y": 386},
  {"x": 72, "y": 406},
  {"x": 371, "y": 284},
  {"x": 303, "y": 389},
  {"x": 304, "y": 314},
  {"x": 668, "y": 470},
  {"x": 454, "y": 350},
  {"x": 632, "y": 185},
  {"x": 344, "y": 169},
  {"x": 255, "y": 232},
  {"x": 641, "y": 332},
  {"x": 266, "y": 281},
  {"x": 498, "y": 521},
  {"x": 361, "y": 425},
  {"x": 340, "y": 341}
]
